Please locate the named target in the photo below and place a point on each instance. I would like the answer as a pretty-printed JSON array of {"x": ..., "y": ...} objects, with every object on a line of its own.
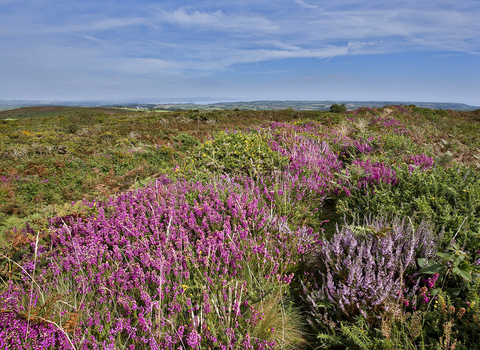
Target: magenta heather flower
[
  {"x": 390, "y": 123},
  {"x": 431, "y": 281},
  {"x": 140, "y": 259},
  {"x": 421, "y": 161},
  {"x": 193, "y": 340},
  {"x": 375, "y": 173},
  {"x": 17, "y": 332}
]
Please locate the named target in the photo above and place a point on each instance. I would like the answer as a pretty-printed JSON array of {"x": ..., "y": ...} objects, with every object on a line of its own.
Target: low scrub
[{"x": 241, "y": 230}]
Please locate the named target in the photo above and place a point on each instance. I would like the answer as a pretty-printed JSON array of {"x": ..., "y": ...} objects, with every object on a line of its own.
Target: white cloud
[
  {"x": 87, "y": 26},
  {"x": 217, "y": 20},
  {"x": 305, "y": 5},
  {"x": 215, "y": 60},
  {"x": 448, "y": 29}
]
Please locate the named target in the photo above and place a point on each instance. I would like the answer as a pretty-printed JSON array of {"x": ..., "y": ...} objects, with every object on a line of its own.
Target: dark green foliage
[
  {"x": 336, "y": 108},
  {"x": 430, "y": 114}
]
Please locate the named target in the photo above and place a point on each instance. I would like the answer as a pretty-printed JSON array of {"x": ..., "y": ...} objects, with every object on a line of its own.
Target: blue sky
[{"x": 251, "y": 50}]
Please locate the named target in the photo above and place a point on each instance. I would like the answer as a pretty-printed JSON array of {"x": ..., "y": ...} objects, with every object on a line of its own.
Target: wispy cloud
[
  {"x": 305, "y": 5},
  {"x": 101, "y": 25},
  {"x": 136, "y": 65},
  {"x": 217, "y": 20},
  {"x": 86, "y": 26}
]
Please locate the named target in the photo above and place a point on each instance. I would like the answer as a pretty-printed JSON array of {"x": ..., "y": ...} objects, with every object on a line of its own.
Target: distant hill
[
  {"x": 26, "y": 108},
  {"x": 309, "y": 105}
]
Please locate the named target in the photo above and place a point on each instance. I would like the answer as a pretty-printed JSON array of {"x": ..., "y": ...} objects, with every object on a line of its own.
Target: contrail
[{"x": 328, "y": 59}]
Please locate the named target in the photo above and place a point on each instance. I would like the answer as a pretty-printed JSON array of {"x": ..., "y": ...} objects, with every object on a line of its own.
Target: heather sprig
[{"x": 374, "y": 173}]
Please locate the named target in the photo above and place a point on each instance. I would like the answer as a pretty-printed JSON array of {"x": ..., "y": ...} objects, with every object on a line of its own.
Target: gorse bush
[{"x": 237, "y": 152}]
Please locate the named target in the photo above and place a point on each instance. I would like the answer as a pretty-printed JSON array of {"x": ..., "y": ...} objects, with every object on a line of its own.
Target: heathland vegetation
[{"x": 241, "y": 230}]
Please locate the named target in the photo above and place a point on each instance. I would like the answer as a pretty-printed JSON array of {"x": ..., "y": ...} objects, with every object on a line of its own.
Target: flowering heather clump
[
  {"x": 314, "y": 152},
  {"x": 312, "y": 130},
  {"x": 312, "y": 162},
  {"x": 363, "y": 147},
  {"x": 17, "y": 333},
  {"x": 362, "y": 269},
  {"x": 421, "y": 161},
  {"x": 173, "y": 264},
  {"x": 375, "y": 173},
  {"x": 26, "y": 329},
  {"x": 391, "y": 123}
]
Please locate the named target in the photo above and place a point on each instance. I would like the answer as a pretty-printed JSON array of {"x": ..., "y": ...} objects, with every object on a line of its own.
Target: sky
[{"x": 395, "y": 50}]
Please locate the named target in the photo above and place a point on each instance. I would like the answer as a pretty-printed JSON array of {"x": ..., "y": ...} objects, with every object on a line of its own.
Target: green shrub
[
  {"x": 397, "y": 145},
  {"x": 160, "y": 154},
  {"x": 336, "y": 108},
  {"x": 74, "y": 119},
  {"x": 237, "y": 152}
]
